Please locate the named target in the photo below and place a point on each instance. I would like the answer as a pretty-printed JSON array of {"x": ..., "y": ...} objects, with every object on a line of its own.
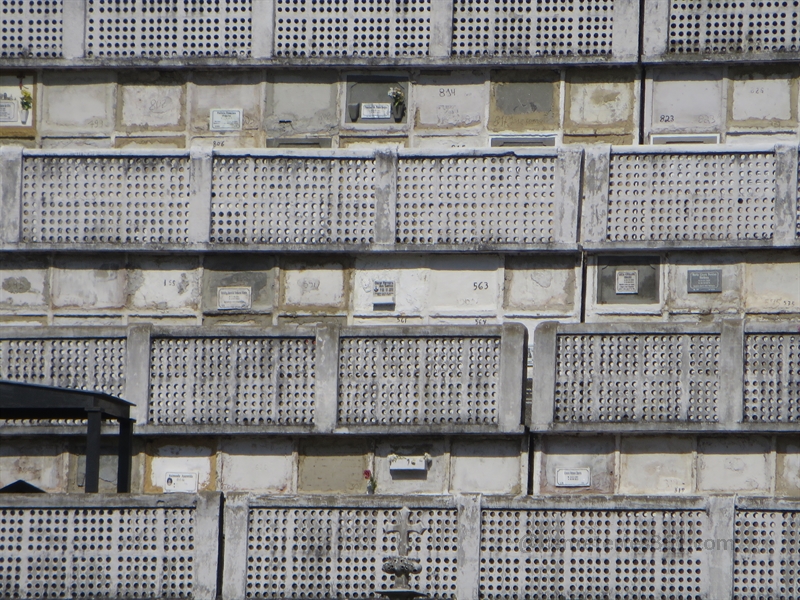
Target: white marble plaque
[
  {"x": 180, "y": 483},
  {"x": 234, "y": 298},
  {"x": 627, "y": 281},
  {"x": 376, "y": 110},
  {"x": 383, "y": 292},
  {"x": 8, "y": 111},
  {"x": 226, "y": 119},
  {"x": 407, "y": 463},
  {"x": 573, "y": 477}
]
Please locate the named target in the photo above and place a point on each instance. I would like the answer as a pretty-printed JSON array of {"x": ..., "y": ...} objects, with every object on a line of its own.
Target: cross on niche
[{"x": 404, "y": 528}]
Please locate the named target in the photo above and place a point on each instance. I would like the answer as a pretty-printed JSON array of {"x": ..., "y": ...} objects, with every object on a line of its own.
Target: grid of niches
[
  {"x": 30, "y": 28},
  {"x": 352, "y": 27},
  {"x": 96, "y": 552},
  {"x": 240, "y": 381},
  {"x": 338, "y": 552},
  {"x": 766, "y": 555},
  {"x": 293, "y": 201},
  {"x": 522, "y": 27},
  {"x": 168, "y": 28},
  {"x": 771, "y": 385},
  {"x": 85, "y": 200},
  {"x": 691, "y": 197},
  {"x": 593, "y": 554},
  {"x": 489, "y": 200},
  {"x": 733, "y": 27},
  {"x": 418, "y": 381},
  {"x": 637, "y": 377},
  {"x": 96, "y": 364}
]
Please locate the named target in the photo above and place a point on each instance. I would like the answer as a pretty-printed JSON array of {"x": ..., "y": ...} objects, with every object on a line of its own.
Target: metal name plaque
[
  {"x": 234, "y": 298},
  {"x": 705, "y": 281},
  {"x": 573, "y": 477},
  {"x": 376, "y": 110},
  {"x": 226, "y": 119},
  {"x": 627, "y": 281}
]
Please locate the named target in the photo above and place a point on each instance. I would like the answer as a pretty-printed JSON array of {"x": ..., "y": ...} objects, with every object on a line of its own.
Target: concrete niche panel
[
  {"x": 225, "y": 90},
  {"x": 733, "y": 464},
  {"x": 194, "y": 460},
  {"x": 40, "y": 463},
  {"x": 89, "y": 282},
  {"x": 565, "y": 457},
  {"x": 772, "y": 285},
  {"x": 260, "y": 465},
  {"x": 431, "y": 480},
  {"x": 151, "y": 99},
  {"x": 164, "y": 283},
  {"x": 692, "y": 285},
  {"x": 23, "y": 282},
  {"x": 524, "y": 101},
  {"x": 314, "y": 286},
  {"x": 761, "y": 100},
  {"x": 367, "y": 100},
  {"x": 333, "y": 466},
  {"x": 464, "y": 284},
  {"x": 487, "y": 466},
  {"x": 301, "y": 103},
  {"x": 788, "y": 467},
  {"x": 544, "y": 286},
  {"x": 628, "y": 280},
  {"x": 687, "y": 101},
  {"x": 450, "y": 100},
  {"x": 410, "y": 279},
  {"x": 228, "y": 281},
  {"x": 656, "y": 465},
  {"x": 600, "y": 102},
  {"x": 78, "y": 102}
]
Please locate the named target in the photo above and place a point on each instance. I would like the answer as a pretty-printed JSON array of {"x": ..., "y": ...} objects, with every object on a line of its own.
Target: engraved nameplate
[
  {"x": 376, "y": 110},
  {"x": 234, "y": 298},
  {"x": 226, "y": 119},
  {"x": 627, "y": 281},
  {"x": 705, "y": 281},
  {"x": 573, "y": 477}
]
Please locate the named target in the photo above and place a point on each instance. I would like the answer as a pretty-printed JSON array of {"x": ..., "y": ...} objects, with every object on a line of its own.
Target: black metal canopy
[{"x": 27, "y": 401}]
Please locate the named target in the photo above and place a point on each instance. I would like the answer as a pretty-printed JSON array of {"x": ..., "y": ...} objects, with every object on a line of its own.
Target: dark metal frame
[{"x": 25, "y": 401}]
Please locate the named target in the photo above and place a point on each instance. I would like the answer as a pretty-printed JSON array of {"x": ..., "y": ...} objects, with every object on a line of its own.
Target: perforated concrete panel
[
  {"x": 31, "y": 28},
  {"x": 293, "y": 200},
  {"x": 136, "y": 200},
  {"x": 96, "y": 364},
  {"x": 593, "y": 554},
  {"x": 240, "y": 381},
  {"x": 98, "y": 552},
  {"x": 767, "y": 546},
  {"x": 771, "y": 386},
  {"x": 657, "y": 197},
  {"x": 464, "y": 200},
  {"x": 522, "y": 28},
  {"x": 418, "y": 381},
  {"x": 729, "y": 28},
  {"x": 338, "y": 552},
  {"x": 352, "y": 27},
  {"x": 168, "y": 28},
  {"x": 637, "y": 377}
]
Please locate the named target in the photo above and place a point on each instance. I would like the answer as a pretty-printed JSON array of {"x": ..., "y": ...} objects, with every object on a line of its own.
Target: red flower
[{"x": 367, "y": 474}]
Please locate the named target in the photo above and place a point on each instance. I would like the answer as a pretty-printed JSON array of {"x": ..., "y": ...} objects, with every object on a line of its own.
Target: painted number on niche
[
  {"x": 757, "y": 90},
  {"x": 447, "y": 92},
  {"x": 480, "y": 320},
  {"x": 667, "y": 118},
  {"x": 480, "y": 285}
]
